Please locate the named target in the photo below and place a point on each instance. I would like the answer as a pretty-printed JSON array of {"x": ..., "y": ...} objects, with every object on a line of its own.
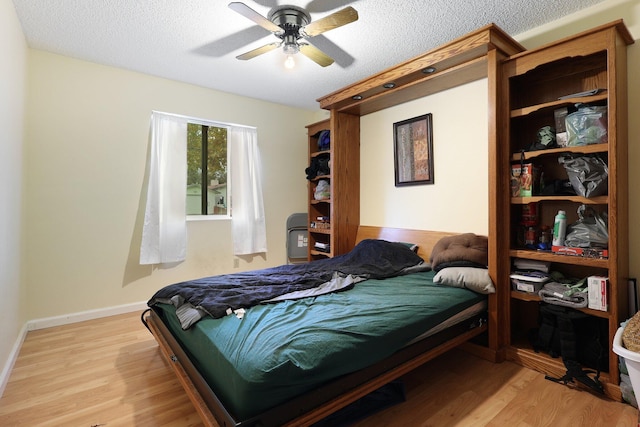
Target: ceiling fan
[{"x": 291, "y": 24}]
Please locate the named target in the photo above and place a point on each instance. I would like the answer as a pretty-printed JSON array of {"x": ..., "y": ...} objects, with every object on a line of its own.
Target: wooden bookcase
[
  {"x": 342, "y": 209},
  {"x": 533, "y": 83}
]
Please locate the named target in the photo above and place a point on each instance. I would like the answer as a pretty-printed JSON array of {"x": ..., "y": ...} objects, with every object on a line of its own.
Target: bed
[{"x": 297, "y": 360}]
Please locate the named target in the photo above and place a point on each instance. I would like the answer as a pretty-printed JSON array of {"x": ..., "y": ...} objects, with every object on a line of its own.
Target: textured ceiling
[{"x": 196, "y": 41}]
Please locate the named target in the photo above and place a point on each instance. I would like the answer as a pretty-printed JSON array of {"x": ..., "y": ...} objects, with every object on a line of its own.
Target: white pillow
[{"x": 476, "y": 279}]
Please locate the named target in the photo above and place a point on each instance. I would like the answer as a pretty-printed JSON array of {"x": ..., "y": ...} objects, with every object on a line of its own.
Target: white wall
[
  {"x": 85, "y": 183},
  {"x": 13, "y": 71},
  {"x": 458, "y": 199}
]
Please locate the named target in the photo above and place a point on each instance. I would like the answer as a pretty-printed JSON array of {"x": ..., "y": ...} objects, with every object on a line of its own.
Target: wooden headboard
[{"x": 423, "y": 238}]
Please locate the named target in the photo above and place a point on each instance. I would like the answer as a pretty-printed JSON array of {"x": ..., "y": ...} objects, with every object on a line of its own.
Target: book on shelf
[
  {"x": 322, "y": 247},
  {"x": 531, "y": 264},
  {"x": 320, "y": 225},
  {"x": 531, "y": 276}
]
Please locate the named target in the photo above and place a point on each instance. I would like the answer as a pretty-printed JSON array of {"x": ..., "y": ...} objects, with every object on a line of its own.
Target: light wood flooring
[{"x": 109, "y": 372}]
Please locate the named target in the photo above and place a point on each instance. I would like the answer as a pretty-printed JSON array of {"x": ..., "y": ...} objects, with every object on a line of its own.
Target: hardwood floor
[{"x": 109, "y": 372}]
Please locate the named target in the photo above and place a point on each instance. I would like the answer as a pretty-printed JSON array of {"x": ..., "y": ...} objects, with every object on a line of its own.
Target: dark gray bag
[
  {"x": 591, "y": 230},
  {"x": 589, "y": 174}
]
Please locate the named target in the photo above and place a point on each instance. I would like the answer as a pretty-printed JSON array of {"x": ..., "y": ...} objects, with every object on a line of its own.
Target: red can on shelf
[{"x": 530, "y": 214}]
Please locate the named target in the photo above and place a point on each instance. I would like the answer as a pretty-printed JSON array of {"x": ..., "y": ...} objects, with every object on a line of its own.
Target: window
[
  {"x": 164, "y": 231},
  {"x": 207, "y": 172}
]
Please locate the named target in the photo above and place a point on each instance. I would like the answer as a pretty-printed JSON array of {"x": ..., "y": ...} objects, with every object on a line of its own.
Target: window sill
[{"x": 207, "y": 217}]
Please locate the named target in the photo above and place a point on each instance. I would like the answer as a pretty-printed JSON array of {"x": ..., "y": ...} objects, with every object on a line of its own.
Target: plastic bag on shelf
[
  {"x": 588, "y": 174},
  {"x": 590, "y": 230},
  {"x": 323, "y": 190},
  {"x": 587, "y": 126}
]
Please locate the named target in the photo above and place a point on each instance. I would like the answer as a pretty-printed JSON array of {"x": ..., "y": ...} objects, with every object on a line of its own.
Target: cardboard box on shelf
[
  {"x": 524, "y": 180},
  {"x": 583, "y": 252},
  {"x": 597, "y": 290}
]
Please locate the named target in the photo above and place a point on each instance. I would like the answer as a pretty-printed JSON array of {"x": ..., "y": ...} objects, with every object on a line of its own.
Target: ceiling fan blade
[
  {"x": 259, "y": 51},
  {"x": 247, "y": 12},
  {"x": 316, "y": 55},
  {"x": 335, "y": 20}
]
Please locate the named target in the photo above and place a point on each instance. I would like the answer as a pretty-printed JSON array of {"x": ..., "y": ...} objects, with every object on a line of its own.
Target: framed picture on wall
[{"x": 413, "y": 151}]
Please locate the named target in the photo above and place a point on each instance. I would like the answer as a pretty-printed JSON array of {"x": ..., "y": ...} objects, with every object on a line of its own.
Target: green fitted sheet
[{"x": 278, "y": 351}]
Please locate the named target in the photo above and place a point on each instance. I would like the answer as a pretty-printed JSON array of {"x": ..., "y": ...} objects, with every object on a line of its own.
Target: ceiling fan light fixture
[
  {"x": 291, "y": 48},
  {"x": 289, "y": 63}
]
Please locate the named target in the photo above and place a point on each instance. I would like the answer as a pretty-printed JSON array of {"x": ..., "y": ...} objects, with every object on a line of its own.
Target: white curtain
[
  {"x": 248, "y": 222},
  {"x": 164, "y": 233}
]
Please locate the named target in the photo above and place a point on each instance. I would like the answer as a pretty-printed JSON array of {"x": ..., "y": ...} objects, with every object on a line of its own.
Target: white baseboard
[
  {"x": 66, "y": 319},
  {"x": 11, "y": 361}
]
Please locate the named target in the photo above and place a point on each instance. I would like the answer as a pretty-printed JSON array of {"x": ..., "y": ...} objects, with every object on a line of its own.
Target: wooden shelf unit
[
  {"x": 343, "y": 208},
  {"x": 532, "y": 83},
  {"x": 318, "y": 208}
]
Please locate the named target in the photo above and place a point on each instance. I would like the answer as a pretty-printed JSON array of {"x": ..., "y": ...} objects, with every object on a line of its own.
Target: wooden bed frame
[{"x": 317, "y": 405}]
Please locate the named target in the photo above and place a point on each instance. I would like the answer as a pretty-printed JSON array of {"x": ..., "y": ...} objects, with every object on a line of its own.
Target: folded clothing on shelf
[
  {"x": 531, "y": 264},
  {"x": 561, "y": 294}
]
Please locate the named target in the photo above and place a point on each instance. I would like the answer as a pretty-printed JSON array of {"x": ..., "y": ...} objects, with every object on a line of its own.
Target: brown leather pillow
[{"x": 461, "y": 250}]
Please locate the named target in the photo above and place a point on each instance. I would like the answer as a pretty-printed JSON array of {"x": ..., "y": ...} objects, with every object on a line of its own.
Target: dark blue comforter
[{"x": 370, "y": 259}]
